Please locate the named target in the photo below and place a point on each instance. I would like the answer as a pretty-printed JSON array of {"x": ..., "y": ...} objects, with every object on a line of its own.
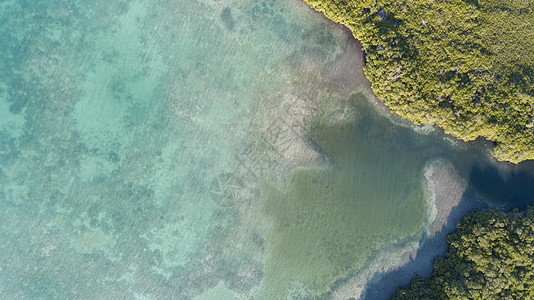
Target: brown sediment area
[
  {"x": 281, "y": 121},
  {"x": 348, "y": 65},
  {"x": 449, "y": 200}
]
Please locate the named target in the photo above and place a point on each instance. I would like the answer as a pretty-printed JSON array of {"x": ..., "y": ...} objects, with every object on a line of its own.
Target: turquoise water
[{"x": 139, "y": 141}]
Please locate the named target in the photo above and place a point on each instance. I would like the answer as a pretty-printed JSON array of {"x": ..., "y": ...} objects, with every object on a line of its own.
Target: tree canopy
[
  {"x": 491, "y": 256},
  {"x": 466, "y": 66}
]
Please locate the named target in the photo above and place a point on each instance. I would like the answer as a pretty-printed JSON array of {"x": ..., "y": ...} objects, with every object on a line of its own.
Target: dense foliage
[
  {"x": 491, "y": 256},
  {"x": 464, "y": 65}
]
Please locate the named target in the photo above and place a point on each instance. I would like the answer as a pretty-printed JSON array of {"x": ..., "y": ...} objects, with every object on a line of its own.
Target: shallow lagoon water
[{"x": 201, "y": 149}]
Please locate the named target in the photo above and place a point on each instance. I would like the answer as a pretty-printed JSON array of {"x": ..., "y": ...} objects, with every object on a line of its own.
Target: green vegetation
[
  {"x": 491, "y": 256},
  {"x": 464, "y": 65}
]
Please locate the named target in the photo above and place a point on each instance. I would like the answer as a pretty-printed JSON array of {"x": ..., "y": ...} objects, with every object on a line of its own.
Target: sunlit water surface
[{"x": 201, "y": 149}]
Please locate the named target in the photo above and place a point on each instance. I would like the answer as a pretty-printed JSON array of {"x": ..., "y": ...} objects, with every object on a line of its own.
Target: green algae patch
[{"x": 329, "y": 220}]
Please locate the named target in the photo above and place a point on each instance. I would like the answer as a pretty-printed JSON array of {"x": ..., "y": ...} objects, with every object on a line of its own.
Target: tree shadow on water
[{"x": 511, "y": 188}]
